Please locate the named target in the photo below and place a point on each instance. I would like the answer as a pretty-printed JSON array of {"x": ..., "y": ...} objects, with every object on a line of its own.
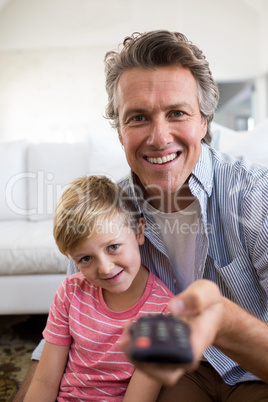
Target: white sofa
[
  {"x": 32, "y": 177},
  {"x": 253, "y": 144}
]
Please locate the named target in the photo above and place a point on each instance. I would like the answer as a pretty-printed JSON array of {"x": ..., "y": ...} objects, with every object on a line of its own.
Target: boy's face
[{"x": 110, "y": 258}]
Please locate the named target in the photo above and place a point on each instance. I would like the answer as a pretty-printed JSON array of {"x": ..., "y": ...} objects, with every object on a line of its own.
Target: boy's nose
[{"x": 105, "y": 266}]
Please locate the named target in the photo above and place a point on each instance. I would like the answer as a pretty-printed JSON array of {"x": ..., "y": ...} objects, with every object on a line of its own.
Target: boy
[{"x": 96, "y": 224}]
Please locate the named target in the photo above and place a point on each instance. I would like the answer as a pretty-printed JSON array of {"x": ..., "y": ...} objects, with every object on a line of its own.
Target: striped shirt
[{"x": 96, "y": 369}]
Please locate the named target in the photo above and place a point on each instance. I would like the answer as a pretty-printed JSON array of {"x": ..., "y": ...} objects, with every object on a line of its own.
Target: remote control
[{"x": 160, "y": 339}]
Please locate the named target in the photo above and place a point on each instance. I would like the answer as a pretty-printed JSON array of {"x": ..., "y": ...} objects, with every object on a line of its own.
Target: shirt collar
[{"x": 203, "y": 171}]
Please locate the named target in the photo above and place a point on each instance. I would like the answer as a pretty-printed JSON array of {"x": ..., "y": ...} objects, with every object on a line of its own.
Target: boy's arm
[
  {"x": 142, "y": 388},
  {"x": 45, "y": 384}
]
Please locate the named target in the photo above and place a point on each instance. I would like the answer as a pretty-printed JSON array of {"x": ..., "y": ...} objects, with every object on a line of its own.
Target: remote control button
[
  {"x": 161, "y": 339},
  {"x": 143, "y": 342}
]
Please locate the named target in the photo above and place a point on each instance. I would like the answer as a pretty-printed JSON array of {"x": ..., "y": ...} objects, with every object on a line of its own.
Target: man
[
  {"x": 206, "y": 215},
  {"x": 162, "y": 99}
]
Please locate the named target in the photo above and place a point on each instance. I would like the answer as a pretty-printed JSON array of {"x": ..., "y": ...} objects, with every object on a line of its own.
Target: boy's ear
[{"x": 141, "y": 230}]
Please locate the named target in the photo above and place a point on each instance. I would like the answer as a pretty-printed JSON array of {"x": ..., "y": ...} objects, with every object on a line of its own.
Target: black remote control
[{"x": 158, "y": 338}]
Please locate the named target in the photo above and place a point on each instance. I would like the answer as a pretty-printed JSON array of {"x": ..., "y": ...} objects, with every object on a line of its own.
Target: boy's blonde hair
[{"x": 84, "y": 207}]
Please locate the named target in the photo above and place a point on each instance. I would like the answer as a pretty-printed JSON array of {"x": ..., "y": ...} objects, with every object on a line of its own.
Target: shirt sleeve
[
  {"x": 57, "y": 327},
  {"x": 36, "y": 355},
  {"x": 255, "y": 223}
]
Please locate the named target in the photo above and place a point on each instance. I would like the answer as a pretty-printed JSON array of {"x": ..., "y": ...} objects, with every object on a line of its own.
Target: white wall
[
  {"x": 227, "y": 30},
  {"x": 264, "y": 37},
  {"x": 51, "y": 94},
  {"x": 51, "y": 55}
]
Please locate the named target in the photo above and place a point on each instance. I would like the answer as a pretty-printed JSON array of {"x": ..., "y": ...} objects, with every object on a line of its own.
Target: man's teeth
[{"x": 164, "y": 159}]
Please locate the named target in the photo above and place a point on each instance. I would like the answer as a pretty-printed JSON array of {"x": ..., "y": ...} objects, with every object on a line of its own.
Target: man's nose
[{"x": 160, "y": 135}]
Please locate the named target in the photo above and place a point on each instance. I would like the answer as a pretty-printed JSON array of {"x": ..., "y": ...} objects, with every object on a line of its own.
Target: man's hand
[{"x": 201, "y": 306}]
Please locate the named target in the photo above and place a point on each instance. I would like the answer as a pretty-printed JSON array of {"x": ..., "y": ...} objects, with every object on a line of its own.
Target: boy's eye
[
  {"x": 87, "y": 258},
  {"x": 113, "y": 247}
]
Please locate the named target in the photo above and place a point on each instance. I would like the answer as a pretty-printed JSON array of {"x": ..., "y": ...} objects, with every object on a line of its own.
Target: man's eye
[
  {"x": 87, "y": 258},
  {"x": 177, "y": 113},
  {"x": 138, "y": 118},
  {"x": 113, "y": 247}
]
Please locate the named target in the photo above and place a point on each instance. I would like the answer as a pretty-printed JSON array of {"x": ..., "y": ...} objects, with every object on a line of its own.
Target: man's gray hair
[{"x": 158, "y": 49}]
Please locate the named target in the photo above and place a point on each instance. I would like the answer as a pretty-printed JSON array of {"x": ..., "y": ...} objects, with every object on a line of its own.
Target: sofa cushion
[
  {"x": 29, "y": 248},
  {"x": 251, "y": 144},
  {"x": 51, "y": 167},
  {"x": 28, "y": 294},
  {"x": 13, "y": 181}
]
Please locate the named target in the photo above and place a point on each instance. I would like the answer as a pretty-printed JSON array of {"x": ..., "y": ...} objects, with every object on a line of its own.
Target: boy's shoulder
[
  {"x": 79, "y": 282},
  {"x": 77, "y": 287},
  {"x": 156, "y": 296},
  {"x": 72, "y": 278},
  {"x": 159, "y": 286}
]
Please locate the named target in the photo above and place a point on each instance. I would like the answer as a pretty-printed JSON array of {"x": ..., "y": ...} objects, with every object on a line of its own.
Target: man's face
[{"x": 160, "y": 126}]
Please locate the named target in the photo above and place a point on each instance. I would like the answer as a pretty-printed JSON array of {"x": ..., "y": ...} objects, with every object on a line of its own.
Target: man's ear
[
  {"x": 204, "y": 129},
  {"x": 141, "y": 230},
  {"x": 120, "y": 137}
]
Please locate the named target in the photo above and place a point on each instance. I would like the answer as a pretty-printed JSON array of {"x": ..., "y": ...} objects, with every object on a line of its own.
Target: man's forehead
[
  {"x": 134, "y": 73},
  {"x": 171, "y": 85}
]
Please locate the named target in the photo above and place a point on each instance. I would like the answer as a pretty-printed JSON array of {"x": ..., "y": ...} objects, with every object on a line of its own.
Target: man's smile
[{"x": 164, "y": 159}]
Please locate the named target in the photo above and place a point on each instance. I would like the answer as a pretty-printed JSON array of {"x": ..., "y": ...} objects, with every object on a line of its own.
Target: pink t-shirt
[{"x": 79, "y": 317}]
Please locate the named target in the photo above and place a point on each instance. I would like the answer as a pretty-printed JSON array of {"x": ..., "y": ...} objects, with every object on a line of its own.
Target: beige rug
[{"x": 19, "y": 335}]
